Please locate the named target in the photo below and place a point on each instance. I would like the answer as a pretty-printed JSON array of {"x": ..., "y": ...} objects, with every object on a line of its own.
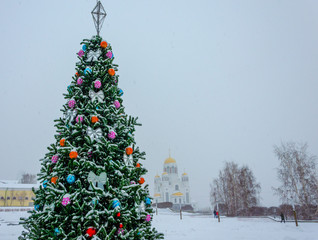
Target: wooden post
[
  {"x": 156, "y": 207},
  {"x": 295, "y": 218},
  {"x": 180, "y": 212},
  {"x": 218, "y": 212}
]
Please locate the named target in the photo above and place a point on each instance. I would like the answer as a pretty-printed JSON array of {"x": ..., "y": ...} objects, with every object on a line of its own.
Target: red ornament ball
[
  {"x": 91, "y": 231},
  {"x": 54, "y": 179},
  {"x": 73, "y": 154},
  {"x": 129, "y": 150},
  {"x": 111, "y": 72},
  {"x": 62, "y": 142},
  {"x": 94, "y": 119},
  {"x": 118, "y": 214},
  {"x": 103, "y": 44},
  {"x": 141, "y": 180},
  {"x": 121, "y": 225}
]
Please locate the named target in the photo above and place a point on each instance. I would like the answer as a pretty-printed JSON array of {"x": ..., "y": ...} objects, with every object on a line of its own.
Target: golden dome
[
  {"x": 178, "y": 194},
  {"x": 164, "y": 173},
  {"x": 170, "y": 160},
  {"x": 157, "y": 195},
  {"x": 157, "y": 176},
  {"x": 184, "y": 174}
]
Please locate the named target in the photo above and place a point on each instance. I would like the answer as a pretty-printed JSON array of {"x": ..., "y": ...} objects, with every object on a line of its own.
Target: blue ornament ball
[
  {"x": 87, "y": 70},
  {"x": 70, "y": 179},
  {"x": 148, "y": 201},
  {"x": 115, "y": 204},
  {"x": 120, "y": 92},
  {"x": 84, "y": 47},
  {"x": 36, "y": 207},
  {"x": 94, "y": 202},
  {"x": 44, "y": 184},
  {"x": 69, "y": 88},
  {"x": 57, "y": 231}
]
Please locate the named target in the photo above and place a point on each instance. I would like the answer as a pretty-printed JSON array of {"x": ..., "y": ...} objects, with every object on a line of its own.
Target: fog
[{"x": 212, "y": 81}]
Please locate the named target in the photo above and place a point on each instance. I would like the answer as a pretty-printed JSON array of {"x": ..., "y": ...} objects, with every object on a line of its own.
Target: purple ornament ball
[
  {"x": 80, "y": 53},
  {"x": 55, "y": 158},
  {"x": 80, "y": 81},
  {"x": 117, "y": 104},
  {"x": 97, "y": 84},
  {"x": 71, "y": 103},
  {"x": 111, "y": 135},
  {"x": 109, "y": 54},
  {"x": 79, "y": 118}
]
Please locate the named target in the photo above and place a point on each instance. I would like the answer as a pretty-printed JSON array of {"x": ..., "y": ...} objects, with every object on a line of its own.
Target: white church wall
[{"x": 170, "y": 187}]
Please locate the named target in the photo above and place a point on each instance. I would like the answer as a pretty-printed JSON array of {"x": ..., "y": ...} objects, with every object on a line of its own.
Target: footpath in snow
[{"x": 198, "y": 227}]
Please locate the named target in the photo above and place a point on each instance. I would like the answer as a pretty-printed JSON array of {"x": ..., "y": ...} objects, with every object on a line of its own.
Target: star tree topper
[{"x": 99, "y": 16}]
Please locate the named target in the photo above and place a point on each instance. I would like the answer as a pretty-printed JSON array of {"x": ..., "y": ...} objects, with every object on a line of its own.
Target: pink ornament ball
[
  {"x": 97, "y": 84},
  {"x": 80, "y": 53},
  {"x": 109, "y": 54},
  {"x": 71, "y": 103},
  {"x": 79, "y": 118},
  {"x": 120, "y": 231},
  {"x": 111, "y": 135},
  {"x": 66, "y": 201},
  {"x": 148, "y": 218},
  {"x": 80, "y": 81},
  {"x": 90, "y": 154},
  {"x": 132, "y": 182},
  {"x": 117, "y": 104},
  {"x": 55, "y": 158}
]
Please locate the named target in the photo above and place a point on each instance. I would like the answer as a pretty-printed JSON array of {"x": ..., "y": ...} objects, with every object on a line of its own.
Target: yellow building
[{"x": 14, "y": 194}]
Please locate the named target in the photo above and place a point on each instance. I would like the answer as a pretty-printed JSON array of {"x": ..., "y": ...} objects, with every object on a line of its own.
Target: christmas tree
[{"x": 92, "y": 177}]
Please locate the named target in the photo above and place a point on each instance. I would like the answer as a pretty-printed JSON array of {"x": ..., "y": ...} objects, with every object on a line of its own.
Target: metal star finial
[{"x": 99, "y": 16}]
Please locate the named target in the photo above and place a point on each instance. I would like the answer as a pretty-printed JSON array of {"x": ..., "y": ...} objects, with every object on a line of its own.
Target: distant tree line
[{"x": 236, "y": 191}]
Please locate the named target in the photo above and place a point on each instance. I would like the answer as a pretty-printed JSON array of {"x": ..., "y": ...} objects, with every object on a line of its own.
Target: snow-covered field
[{"x": 193, "y": 227}]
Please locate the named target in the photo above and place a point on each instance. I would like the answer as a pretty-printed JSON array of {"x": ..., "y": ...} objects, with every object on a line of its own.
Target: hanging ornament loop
[{"x": 99, "y": 16}]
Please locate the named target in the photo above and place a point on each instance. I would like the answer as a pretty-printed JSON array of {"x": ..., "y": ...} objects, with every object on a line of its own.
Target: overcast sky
[{"x": 212, "y": 80}]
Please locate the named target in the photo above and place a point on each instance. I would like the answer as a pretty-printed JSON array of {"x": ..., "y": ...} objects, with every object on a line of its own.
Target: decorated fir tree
[{"x": 92, "y": 176}]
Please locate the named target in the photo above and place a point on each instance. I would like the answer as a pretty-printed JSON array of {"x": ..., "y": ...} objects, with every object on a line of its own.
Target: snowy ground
[{"x": 193, "y": 227}]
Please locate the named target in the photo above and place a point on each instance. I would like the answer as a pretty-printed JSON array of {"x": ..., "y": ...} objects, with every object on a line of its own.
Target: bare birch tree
[
  {"x": 236, "y": 188},
  {"x": 249, "y": 189},
  {"x": 297, "y": 174}
]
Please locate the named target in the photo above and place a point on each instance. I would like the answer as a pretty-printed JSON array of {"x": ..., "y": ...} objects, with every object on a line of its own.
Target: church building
[{"x": 169, "y": 187}]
